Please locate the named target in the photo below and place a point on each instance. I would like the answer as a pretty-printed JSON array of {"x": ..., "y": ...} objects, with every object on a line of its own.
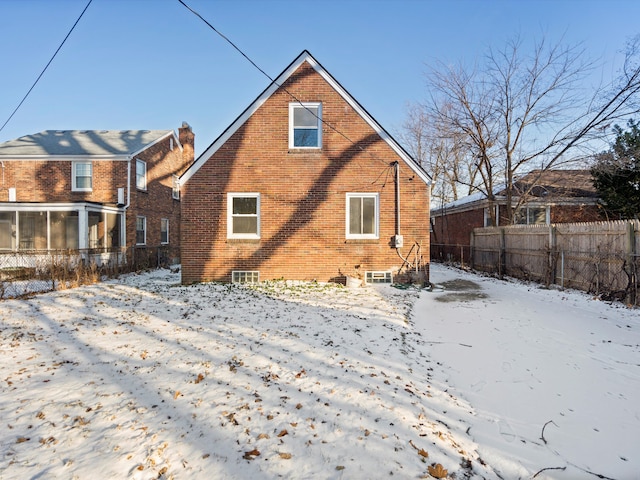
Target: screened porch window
[
  {"x": 63, "y": 233},
  {"x": 32, "y": 230},
  {"x": 7, "y": 230}
]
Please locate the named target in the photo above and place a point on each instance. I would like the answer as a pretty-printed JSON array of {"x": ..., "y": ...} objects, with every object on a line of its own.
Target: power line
[
  {"x": 279, "y": 85},
  {"x": 45, "y": 68}
]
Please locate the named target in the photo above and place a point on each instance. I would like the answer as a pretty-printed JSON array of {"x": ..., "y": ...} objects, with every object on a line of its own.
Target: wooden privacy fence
[{"x": 598, "y": 257}]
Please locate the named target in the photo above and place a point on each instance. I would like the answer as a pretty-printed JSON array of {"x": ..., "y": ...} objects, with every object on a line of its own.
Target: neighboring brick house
[
  {"x": 554, "y": 196},
  {"x": 92, "y": 189},
  {"x": 303, "y": 186}
]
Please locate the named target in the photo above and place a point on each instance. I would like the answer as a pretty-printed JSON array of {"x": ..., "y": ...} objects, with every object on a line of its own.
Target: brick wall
[
  {"x": 303, "y": 196},
  {"x": 455, "y": 228},
  {"x": 51, "y": 181},
  {"x": 156, "y": 202}
]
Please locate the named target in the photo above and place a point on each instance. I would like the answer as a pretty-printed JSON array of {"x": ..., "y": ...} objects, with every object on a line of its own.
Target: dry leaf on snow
[
  {"x": 437, "y": 471},
  {"x": 251, "y": 455}
]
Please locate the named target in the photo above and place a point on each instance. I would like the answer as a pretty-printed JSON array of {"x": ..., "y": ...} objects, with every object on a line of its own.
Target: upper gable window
[
  {"x": 81, "y": 176},
  {"x": 141, "y": 175},
  {"x": 305, "y": 125}
]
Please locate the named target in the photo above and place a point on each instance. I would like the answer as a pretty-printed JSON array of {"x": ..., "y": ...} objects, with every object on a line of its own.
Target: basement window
[
  {"x": 378, "y": 277},
  {"x": 245, "y": 276}
]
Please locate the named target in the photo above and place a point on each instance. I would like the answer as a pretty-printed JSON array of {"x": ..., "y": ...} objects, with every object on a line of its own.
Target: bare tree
[
  {"x": 520, "y": 112},
  {"x": 441, "y": 153}
]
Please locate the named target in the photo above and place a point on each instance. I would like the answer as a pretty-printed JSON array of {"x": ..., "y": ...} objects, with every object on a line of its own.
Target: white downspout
[
  {"x": 126, "y": 207},
  {"x": 398, "y": 240}
]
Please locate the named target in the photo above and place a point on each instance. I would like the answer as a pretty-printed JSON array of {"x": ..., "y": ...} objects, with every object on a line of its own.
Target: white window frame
[
  {"x": 305, "y": 105},
  {"x": 74, "y": 176},
  {"x": 144, "y": 224},
  {"x": 487, "y": 216},
  {"x": 175, "y": 188},
  {"x": 141, "y": 185},
  {"x": 230, "y": 216},
  {"x": 362, "y": 236},
  {"x": 527, "y": 214},
  {"x": 164, "y": 222}
]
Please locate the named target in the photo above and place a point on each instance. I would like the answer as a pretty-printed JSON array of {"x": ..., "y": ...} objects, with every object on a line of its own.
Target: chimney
[{"x": 187, "y": 140}]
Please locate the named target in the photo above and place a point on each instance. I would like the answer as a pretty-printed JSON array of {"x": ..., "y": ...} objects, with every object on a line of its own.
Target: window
[
  {"x": 362, "y": 215},
  {"x": 7, "y": 230},
  {"x": 251, "y": 276},
  {"x": 164, "y": 231},
  {"x": 487, "y": 217},
  {"x": 532, "y": 216},
  {"x": 32, "y": 230},
  {"x": 141, "y": 231},
  {"x": 114, "y": 230},
  {"x": 378, "y": 277},
  {"x": 96, "y": 229},
  {"x": 141, "y": 175},
  {"x": 175, "y": 191},
  {"x": 305, "y": 125},
  {"x": 243, "y": 215},
  {"x": 81, "y": 176}
]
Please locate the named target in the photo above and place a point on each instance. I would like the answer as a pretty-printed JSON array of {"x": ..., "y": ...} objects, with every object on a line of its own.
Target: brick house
[
  {"x": 304, "y": 185},
  {"x": 92, "y": 189},
  {"x": 554, "y": 196}
]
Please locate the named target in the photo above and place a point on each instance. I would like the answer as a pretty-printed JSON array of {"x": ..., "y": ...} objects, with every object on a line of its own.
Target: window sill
[
  {"x": 302, "y": 151},
  {"x": 243, "y": 240},
  {"x": 362, "y": 240}
]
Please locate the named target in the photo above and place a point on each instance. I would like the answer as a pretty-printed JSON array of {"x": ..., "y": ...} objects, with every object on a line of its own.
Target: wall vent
[{"x": 12, "y": 194}]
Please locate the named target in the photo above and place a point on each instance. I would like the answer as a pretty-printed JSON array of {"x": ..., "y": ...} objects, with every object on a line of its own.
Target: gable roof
[
  {"x": 305, "y": 56},
  {"x": 557, "y": 183},
  {"x": 82, "y": 143},
  {"x": 545, "y": 184}
]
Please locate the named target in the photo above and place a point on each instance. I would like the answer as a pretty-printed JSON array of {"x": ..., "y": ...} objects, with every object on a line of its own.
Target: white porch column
[{"x": 83, "y": 229}]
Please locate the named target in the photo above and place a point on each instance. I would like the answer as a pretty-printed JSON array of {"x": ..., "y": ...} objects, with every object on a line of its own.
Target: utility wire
[
  {"x": 45, "y": 68},
  {"x": 277, "y": 84}
]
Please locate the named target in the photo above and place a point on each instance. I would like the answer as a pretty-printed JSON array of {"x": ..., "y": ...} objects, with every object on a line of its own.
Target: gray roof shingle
[{"x": 81, "y": 142}]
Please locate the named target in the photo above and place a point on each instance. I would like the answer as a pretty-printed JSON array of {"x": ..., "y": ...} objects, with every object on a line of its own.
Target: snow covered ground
[{"x": 143, "y": 378}]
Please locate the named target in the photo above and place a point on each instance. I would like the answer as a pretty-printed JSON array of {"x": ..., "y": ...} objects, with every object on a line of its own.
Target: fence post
[
  {"x": 502, "y": 262},
  {"x": 631, "y": 262},
  {"x": 553, "y": 255},
  {"x": 471, "y": 243}
]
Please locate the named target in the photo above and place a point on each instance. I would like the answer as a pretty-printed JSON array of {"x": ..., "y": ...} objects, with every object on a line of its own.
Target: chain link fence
[{"x": 28, "y": 272}]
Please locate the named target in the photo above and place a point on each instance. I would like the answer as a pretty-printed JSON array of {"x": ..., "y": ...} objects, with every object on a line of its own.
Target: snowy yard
[{"x": 144, "y": 378}]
